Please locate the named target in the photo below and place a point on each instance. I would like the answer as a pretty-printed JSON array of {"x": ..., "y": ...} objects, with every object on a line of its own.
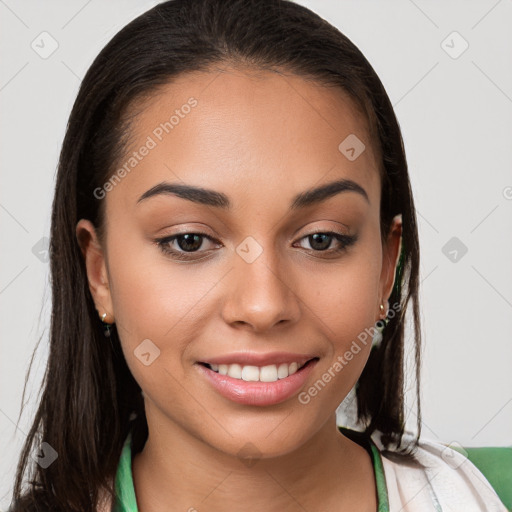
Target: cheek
[
  {"x": 347, "y": 322},
  {"x": 157, "y": 308},
  {"x": 345, "y": 298},
  {"x": 344, "y": 308},
  {"x": 155, "y": 299}
]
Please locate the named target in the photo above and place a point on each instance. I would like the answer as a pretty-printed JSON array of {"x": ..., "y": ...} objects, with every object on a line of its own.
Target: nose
[{"x": 261, "y": 293}]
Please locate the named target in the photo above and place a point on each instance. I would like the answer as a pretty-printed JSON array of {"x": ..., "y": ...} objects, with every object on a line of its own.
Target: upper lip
[{"x": 255, "y": 359}]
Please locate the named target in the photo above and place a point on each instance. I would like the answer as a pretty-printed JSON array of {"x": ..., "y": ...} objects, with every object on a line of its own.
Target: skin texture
[{"x": 260, "y": 138}]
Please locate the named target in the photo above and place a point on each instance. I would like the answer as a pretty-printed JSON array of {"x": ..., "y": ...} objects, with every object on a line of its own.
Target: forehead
[{"x": 238, "y": 128}]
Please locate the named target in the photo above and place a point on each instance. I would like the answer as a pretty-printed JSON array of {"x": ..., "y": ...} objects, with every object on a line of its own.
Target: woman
[{"x": 233, "y": 250}]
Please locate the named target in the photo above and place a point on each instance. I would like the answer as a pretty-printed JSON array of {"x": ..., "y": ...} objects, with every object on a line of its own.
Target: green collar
[
  {"x": 126, "y": 501},
  {"x": 367, "y": 443}
]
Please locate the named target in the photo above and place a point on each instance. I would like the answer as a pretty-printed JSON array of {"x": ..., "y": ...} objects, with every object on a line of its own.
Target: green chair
[{"x": 495, "y": 463}]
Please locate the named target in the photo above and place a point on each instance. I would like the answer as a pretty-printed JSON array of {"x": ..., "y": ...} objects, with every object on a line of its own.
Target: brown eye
[
  {"x": 179, "y": 245},
  {"x": 189, "y": 241},
  {"x": 321, "y": 241}
]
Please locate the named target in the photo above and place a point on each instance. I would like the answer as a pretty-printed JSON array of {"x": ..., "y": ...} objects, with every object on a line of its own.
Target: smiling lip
[{"x": 258, "y": 393}]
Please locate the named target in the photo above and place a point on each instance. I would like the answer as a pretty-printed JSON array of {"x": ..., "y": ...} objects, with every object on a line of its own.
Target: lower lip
[{"x": 258, "y": 393}]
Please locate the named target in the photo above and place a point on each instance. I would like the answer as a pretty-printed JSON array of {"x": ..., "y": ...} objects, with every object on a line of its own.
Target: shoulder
[{"x": 440, "y": 479}]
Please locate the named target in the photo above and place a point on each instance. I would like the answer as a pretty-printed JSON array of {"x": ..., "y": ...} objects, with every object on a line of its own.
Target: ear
[
  {"x": 96, "y": 266},
  {"x": 390, "y": 257}
]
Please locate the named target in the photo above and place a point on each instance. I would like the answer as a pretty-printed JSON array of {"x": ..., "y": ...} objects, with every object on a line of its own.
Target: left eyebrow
[
  {"x": 323, "y": 192},
  {"x": 220, "y": 200}
]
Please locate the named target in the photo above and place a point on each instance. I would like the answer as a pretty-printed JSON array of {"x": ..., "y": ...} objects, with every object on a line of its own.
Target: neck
[{"x": 177, "y": 471}]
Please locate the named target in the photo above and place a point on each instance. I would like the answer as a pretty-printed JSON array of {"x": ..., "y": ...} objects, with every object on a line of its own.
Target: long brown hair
[{"x": 90, "y": 401}]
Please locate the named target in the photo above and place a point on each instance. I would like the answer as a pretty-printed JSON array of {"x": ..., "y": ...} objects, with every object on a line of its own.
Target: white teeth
[
  {"x": 235, "y": 371},
  {"x": 250, "y": 373},
  {"x": 269, "y": 373},
  {"x": 282, "y": 371}
]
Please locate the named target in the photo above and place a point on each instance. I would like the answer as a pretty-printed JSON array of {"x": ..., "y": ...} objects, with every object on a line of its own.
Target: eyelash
[{"x": 163, "y": 244}]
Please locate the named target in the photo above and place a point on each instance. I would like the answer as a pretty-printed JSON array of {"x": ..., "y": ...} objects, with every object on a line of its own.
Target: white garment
[{"x": 449, "y": 483}]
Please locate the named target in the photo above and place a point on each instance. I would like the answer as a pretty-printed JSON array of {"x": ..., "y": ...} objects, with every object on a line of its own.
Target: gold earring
[{"x": 106, "y": 326}]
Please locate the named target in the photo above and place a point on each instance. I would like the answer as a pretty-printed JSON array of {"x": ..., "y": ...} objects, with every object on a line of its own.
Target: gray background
[{"x": 455, "y": 111}]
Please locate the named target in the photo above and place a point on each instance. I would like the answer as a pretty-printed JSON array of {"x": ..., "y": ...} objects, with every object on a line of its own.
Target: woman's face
[{"x": 256, "y": 289}]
